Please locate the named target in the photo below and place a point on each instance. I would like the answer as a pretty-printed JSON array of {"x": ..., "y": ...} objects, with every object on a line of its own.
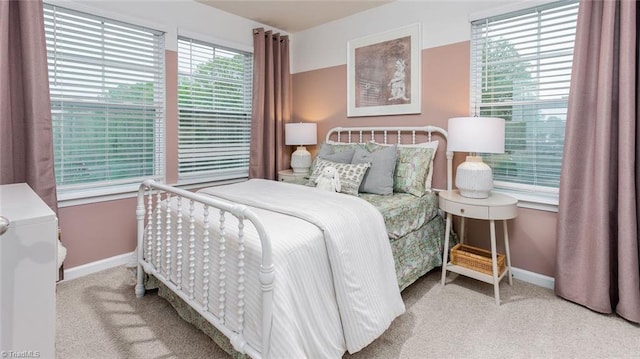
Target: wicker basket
[{"x": 476, "y": 258}]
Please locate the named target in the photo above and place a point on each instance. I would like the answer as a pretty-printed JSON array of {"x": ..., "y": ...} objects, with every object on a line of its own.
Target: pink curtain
[
  {"x": 26, "y": 149},
  {"x": 271, "y": 104},
  {"x": 597, "y": 262}
]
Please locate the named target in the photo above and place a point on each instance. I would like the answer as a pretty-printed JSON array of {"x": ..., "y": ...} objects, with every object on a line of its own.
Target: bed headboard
[{"x": 384, "y": 134}]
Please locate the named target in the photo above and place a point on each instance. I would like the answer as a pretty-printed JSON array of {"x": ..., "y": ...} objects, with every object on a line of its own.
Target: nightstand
[
  {"x": 494, "y": 208},
  {"x": 290, "y": 177}
]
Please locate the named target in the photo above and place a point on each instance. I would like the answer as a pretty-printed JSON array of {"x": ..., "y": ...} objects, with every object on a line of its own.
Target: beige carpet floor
[{"x": 98, "y": 316}]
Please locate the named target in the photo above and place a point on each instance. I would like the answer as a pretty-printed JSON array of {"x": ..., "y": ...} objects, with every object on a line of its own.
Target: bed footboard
[{"x": 167, "y": 220}]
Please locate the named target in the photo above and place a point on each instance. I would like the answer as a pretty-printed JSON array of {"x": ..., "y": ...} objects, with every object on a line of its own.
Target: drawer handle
[{"x": 461, "y": 210}]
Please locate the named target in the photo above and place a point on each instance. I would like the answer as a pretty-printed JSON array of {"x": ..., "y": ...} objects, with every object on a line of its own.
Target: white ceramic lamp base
[
  {"x": 301, "y": 160},
  {"x": 474, "y": 178}
]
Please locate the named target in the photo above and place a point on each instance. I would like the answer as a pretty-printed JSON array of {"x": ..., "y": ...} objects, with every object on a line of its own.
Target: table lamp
[
  {"x": 300, "y": 134},
  {"x": 474, "y": 178}
]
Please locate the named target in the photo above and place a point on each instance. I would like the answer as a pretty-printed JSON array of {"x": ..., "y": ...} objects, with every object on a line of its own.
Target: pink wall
[
  {"x": 171, "y": 108},
  {"x": 97, "y": 231},
  {"x": 320, "y": 96}
]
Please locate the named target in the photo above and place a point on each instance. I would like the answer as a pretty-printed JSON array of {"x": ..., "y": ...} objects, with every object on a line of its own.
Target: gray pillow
[
  {"x": 339, "y": 157},
  {"x": 333, "y": 152},
  {"x": 379, "y": 177}
]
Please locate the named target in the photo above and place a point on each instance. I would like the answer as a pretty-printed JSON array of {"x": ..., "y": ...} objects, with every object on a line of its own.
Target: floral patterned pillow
[
  {"x": 350, "y": 175},
  {"x": 412, "y": 167}
]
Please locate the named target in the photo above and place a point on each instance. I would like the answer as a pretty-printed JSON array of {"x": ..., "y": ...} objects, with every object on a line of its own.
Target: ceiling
[{"x": 293, "y": 15}]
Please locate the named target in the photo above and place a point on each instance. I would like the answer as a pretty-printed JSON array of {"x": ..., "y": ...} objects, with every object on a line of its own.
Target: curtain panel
[
  {"x": 26, "y": 141},
  {"x": 271, "y": 104},
  {"x": 597, "y": 263}
]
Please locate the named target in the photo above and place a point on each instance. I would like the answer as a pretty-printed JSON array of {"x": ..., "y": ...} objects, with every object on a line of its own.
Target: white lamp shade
[
  {"x": 476, "y": 134},
  {"x": 300, "y": 134}
]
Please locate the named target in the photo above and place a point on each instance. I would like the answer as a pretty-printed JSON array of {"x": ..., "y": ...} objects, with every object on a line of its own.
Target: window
[
  {"x": 214, "y": 111},
  {"x": 106, "y": 82},
  {"x": 520, "y": 71}
]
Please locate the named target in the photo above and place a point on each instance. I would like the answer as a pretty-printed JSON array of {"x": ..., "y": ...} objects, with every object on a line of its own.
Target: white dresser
[{"x": 28, "y": 267}]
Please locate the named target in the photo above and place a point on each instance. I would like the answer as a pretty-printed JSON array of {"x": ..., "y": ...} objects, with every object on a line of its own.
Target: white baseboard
[
  {"x": 126, "y": 258},
  {"x": 533, "y": 278},
  {"x": 97, "y": 266}
]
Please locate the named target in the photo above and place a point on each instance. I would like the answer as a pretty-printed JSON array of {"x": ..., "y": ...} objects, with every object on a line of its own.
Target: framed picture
[{"x": 383, "y": 73}]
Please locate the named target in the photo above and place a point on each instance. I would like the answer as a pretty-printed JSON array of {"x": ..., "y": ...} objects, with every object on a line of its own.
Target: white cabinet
[{"x": 28, "y": 267}]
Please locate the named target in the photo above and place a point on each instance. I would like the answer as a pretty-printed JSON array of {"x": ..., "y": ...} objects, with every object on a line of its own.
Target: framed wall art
[{"x": 383, "y": 73}]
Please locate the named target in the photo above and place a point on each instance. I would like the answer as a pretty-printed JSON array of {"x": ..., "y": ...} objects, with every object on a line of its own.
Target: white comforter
[{"x": 349, "y": 292}]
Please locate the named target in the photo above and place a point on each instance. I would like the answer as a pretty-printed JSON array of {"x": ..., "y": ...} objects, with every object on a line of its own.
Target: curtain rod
[{"x": 274, "y": 35}]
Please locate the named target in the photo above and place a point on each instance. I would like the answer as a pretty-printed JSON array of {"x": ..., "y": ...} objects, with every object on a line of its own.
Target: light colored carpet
[{"x": 98, "y": 316}]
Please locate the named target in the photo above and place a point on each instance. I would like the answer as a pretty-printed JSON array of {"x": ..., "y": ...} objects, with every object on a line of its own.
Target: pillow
[
  {"x": 333, "y": 151},
  {"x": 412, "y": 168},
  {"x": 328, "y": 148},
  {"x": 379, "y": 177},
  {"x": 432, "y": 144},
  {"x": 339, "y": 157},
  {"x": 350, "y": 175}
]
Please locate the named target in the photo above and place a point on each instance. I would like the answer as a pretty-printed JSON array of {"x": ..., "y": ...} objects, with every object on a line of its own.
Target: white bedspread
[{"x": 358, "y": 249}]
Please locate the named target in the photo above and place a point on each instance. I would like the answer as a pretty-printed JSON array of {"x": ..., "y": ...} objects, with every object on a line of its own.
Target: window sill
[
  {"x": 104, "y": 194},
  {"x": 540, "y": 202},
  {"x": 97, "y": 195}
]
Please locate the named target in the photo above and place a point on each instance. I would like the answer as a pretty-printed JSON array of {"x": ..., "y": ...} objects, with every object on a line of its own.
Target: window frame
[
  {"x": 529, "y": 196},
  {"x": 198, "y": 177},
  {"x": 93, "y": 192}
]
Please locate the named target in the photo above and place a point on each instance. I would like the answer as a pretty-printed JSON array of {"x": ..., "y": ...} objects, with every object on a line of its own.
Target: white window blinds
[
  {"x": 214, "y": 110},
  {"x": 520, "y": 71},
  {"x": 106, "y": 81}
]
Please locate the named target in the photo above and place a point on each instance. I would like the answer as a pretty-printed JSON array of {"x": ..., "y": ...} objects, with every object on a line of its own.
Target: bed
[{"x": 272, "y": 269}]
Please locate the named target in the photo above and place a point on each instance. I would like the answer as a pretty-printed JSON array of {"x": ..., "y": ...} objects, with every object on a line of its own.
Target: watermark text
[{"x": 20, "y": 354}]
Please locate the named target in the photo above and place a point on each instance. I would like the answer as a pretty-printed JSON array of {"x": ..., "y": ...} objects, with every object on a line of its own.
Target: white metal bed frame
[
  {"x": 160, "y": 264},
  {"x": 156, "y": 224}
]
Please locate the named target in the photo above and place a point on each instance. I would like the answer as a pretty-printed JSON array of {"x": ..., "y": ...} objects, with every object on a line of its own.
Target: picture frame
[{"x": 384, "y": 73}]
